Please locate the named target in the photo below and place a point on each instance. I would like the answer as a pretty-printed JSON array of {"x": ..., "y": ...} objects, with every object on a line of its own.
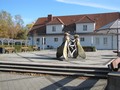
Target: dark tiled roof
[{"x": 100, "y": 20}]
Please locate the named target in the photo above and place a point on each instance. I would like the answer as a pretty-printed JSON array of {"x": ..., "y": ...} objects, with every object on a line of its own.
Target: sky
[{"x": 31, "y": 10}]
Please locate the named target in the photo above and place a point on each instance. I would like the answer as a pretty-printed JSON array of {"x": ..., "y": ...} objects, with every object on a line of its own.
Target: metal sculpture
[{"x": 70, "y": 47}]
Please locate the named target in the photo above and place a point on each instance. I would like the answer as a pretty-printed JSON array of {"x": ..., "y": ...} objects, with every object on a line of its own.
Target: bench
[
  {"x": 9, "y": 49},
  {"x": 35, "y": 48},
  {"x": 24, "y": 49}
]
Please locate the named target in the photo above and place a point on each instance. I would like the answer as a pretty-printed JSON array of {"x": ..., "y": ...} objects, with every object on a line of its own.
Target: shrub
[
  {"x": 89, "y": 48},
  {"x": 17, "y": 48}
]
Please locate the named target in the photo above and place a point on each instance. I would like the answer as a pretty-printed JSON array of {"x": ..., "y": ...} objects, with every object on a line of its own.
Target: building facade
[{"x": 48, "y": 32}]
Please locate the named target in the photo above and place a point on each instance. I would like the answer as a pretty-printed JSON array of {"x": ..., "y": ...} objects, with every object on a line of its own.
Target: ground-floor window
[
  {"x": 38, "y": 41},
  {"x": 105, "y": 41},
  {"x": 0, "y": 42},
  {"x": 82, "y": 39},
  {"x": 97, "y": 41},
  {"x": 55, "y": 39}
]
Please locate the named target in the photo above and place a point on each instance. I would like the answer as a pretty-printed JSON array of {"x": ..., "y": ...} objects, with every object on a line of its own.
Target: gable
[
  {"x": 55, "y": 21},
  {"x": 85, "y": 19}
]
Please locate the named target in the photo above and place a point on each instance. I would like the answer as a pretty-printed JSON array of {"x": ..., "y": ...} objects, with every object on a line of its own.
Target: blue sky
[{"x": 30, "y": 10}]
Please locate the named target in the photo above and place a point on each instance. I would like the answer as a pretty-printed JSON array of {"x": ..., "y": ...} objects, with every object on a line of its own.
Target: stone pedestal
[{"x": 113, "y": 82}]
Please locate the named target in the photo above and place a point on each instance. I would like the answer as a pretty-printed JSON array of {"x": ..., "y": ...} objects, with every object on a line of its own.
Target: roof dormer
[{"x": 85, "y": 25}]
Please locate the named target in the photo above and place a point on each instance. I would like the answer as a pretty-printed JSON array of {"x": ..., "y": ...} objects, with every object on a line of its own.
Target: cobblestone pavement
[{"x": 13, "y": 81}]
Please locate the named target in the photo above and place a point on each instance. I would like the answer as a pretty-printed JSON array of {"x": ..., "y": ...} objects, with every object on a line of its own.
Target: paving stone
[
  {"x": 13, "y": 81},
  {"x": 27, "y": 82}
]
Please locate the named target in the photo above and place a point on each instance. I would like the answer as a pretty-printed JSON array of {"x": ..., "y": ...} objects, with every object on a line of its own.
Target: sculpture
[{"x": 70, "y": 47}]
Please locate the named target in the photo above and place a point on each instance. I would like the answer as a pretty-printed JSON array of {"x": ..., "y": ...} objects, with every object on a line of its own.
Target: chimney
[{"x": 50, "y": 18}]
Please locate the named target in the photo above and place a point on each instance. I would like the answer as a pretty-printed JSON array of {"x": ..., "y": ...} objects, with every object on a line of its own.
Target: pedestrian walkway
[
  {"x": 17, "y": 81},
  {"x": 13, "y": 81}
]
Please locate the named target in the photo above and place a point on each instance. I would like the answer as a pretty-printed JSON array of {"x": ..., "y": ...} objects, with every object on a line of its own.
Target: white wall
[
  {"x": 114, "y": 42},
  {"x": 90, "y": 27},
  {"x": 101, "y": 45},
  {"x": 49, "y": 41},
  {"x": 32, "y": 40},
  {"x": 88, "y": 40},
  {"x": 59, "y": 29},
  {"x": 40, "y": 43}
]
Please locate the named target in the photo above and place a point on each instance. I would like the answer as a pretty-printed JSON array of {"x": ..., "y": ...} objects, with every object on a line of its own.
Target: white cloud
[{"x": 94, "y": 3}]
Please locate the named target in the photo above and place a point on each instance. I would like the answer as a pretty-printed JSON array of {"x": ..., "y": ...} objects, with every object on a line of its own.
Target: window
[
  {"x": 37, "y": 41},
  {"x": 55, "y": 39},
  {"x": 105, "y": 41},
  {"x": 0, "y": 42},
  {"x": 63, "y": 39},
  {"x": 53, "y": 28},
  {"x": 82, "y": 39},
  {"x": 29, "y": 38},
  {"x": 84, "y": 27},
  {"x": 97, "y": 41}
]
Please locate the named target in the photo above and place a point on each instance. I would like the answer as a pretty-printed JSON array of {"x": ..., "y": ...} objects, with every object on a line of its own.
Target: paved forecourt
[
  {"x": 17, "y": 81},
  {"x": 98, "y": 58}
]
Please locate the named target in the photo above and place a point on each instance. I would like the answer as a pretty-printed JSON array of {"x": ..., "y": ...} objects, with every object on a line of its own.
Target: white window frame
[
  {"x": 82, "y": 39},
  {"x": 37, "y": 41},
  {"x": 53, "y": 28},
  {"x": 97, "y": 40},
  {"x": 105, "y": 40},
  {"x": 85, "y": 27},
  {"x": 55, "y": 39}
]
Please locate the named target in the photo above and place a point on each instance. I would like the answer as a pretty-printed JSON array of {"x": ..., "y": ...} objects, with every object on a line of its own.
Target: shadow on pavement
[{"x": 60, "y": 85}]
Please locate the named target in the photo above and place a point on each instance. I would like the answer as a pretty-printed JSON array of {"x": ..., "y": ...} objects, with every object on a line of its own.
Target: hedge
[{"x": 89, "y": 48}]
